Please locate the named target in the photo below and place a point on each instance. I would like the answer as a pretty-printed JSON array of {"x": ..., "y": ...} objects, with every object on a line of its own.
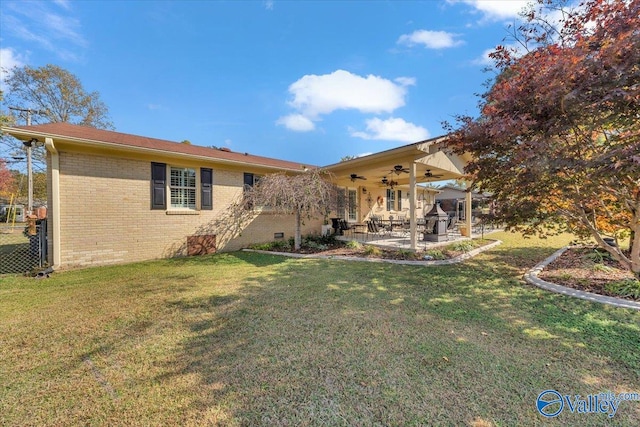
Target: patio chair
[
  {"x": 384, "y": 229},
  {"x": 344, "y": 227},
  {"x": 375, "y": 229},
  {"x": 452, "y": 227}
]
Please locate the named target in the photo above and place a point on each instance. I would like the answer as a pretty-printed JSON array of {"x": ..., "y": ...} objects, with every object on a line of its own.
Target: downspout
[{"x": 55, "y": 201}]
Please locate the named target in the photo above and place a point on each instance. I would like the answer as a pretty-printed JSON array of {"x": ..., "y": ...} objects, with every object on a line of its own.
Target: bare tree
[{"x": 307, "y": 195}]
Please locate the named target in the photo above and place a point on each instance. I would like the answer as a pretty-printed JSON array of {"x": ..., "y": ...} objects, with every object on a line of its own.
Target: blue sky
[{"x": 307, "y": 81}]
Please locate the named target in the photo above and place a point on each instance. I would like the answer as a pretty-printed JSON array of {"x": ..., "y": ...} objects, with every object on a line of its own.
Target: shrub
[
  {"x": 312, "y": 244},
  {"x": 436, "y": 254},
  {"x": 352, "y": 244},
  {"x": 271, "y": 246},
  {"x": 598, "y": 256},
  {"x": 462, "y": 246},
  {"x": 262, "y": 246},
  {"x": 282, "y": 244},
  {"x": 405, "y": 254},
  {"x": 372, "y": 250},
  {"x": 627, "y": 288}
]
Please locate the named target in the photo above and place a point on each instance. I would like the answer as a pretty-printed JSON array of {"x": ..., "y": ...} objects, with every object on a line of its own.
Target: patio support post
[
  {"x": 412, "y": 204},
  {"x": 467, "y": 211}
]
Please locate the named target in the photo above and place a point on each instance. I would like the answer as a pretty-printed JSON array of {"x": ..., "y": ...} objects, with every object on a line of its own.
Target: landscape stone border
[
  {"x": 455, "y": 260},
  {"x": 531, "y": 277}
]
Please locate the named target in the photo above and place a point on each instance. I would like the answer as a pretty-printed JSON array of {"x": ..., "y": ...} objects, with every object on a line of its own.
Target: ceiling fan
[
  {"x": 428, "y": 174},
  {"x": 398, "y": 169},
  {"x": 355, "y": 176},
  {"x": 389, "y": 183}
]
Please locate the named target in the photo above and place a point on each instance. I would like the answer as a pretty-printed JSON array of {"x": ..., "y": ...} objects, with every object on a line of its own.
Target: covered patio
[
  {"x": 401, "y": 240},
  {"x": 396, "y": 185}
]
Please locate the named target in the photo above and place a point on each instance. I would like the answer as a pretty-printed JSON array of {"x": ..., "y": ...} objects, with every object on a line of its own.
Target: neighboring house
[
  {"x": 452, "y": 200},
  {"x": 117, "y": 198}
]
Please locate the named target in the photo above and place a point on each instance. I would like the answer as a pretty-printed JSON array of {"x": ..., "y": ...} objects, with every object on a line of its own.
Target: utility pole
[{"x": 28, "y": 144}]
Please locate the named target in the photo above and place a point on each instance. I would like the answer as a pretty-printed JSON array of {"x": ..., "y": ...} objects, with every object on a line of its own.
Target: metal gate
[{"x": 23, "y": 249}]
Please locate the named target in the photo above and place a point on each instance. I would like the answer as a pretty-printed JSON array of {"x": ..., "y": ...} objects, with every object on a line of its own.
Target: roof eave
[{"x": 28, "y": 134}]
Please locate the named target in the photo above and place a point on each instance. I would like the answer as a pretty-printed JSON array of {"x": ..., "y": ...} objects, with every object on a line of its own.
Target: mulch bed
[
  {"x": 338, "y": 248},
  {"x": 579, "y": 268}
]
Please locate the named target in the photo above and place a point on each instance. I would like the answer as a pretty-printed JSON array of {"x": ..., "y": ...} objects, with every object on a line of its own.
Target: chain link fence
[{"x": 23, "y": 250}]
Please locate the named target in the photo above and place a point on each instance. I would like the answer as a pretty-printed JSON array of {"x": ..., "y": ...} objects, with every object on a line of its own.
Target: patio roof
[{"x": 428, "y": 155}]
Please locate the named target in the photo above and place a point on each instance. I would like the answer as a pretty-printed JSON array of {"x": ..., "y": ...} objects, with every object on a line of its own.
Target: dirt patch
[{"x": 587, "y": 270}]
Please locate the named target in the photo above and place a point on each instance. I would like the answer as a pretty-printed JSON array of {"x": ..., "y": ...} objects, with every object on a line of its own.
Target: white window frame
[
  {"x": 352, "y": 208},
  {"x": 183, "y": 187}
]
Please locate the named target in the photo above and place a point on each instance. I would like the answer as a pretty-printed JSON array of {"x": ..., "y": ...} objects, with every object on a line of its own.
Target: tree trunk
[
  {"x": 298, "y": 237},
  {"x": 634, "y": 256}
]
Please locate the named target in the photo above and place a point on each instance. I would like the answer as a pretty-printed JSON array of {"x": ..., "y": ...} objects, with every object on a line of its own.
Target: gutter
[{"x": 15, "y": 132}]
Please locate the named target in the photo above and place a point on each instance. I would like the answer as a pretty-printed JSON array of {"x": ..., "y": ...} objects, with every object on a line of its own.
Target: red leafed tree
[
  {"x": 6, "y": 180},
  {"x": 558, "y": 138}
]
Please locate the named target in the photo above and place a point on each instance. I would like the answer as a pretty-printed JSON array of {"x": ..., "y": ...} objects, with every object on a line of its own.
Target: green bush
[
  {"x": 405, "y": 254},
  {"x": 598, "y": 256},
  {"x": 262, "y": 246},
  {"x": 462, "y": 246},
  {"x": 271, "y": 246},
  {"x": 281, "y": 244},
  {"x": 436, "y": 254},
  {"x": 627, "y": 288},
  {"x": 316, "y": 238},
  {"x": 312, "y": 244},
  {"x": 352, "y": 244}
]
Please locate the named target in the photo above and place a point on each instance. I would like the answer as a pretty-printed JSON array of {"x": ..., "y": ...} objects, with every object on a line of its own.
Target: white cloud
[
  {"x": 268, "y": 4},
  {"x": 392, "y": 129},
  {"x": 495, "y": 10},
  {"x": 9, "y": 59},
  {"x": 296, "y": 122},
  {"x": 316, "y": 95},
  {"x": 406, "y": 81},
  {"x": 44, "y": 24},
  {"x": 63, "y": 3},
  {"x": 430, "y": 39}
]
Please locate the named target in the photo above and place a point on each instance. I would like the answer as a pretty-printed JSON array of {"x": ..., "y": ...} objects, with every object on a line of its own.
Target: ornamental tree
[
  {"x": 558, "y": 138},
  {"x": 307, "y": 195}
]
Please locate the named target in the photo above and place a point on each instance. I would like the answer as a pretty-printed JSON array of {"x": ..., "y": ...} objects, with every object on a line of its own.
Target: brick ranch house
[{"x": 118, "y": 198}]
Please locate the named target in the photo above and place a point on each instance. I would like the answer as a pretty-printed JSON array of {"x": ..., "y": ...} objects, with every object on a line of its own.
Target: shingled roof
[{"x": 86, "y": 133}]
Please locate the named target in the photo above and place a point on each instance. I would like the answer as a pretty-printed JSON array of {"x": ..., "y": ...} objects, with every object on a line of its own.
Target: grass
[{"x": 258, "y": 339}]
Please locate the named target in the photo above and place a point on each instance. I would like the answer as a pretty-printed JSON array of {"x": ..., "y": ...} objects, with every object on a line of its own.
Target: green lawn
[{"x": 253, "y": 339}]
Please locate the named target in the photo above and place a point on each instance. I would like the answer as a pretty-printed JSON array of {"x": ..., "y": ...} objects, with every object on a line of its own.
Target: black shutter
[
  {"x": 248, "y": 180},
  {"x": 158, "y": 186},
  {"x": 206, "y": 180},
  {"x": 399, "y": 200}
]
